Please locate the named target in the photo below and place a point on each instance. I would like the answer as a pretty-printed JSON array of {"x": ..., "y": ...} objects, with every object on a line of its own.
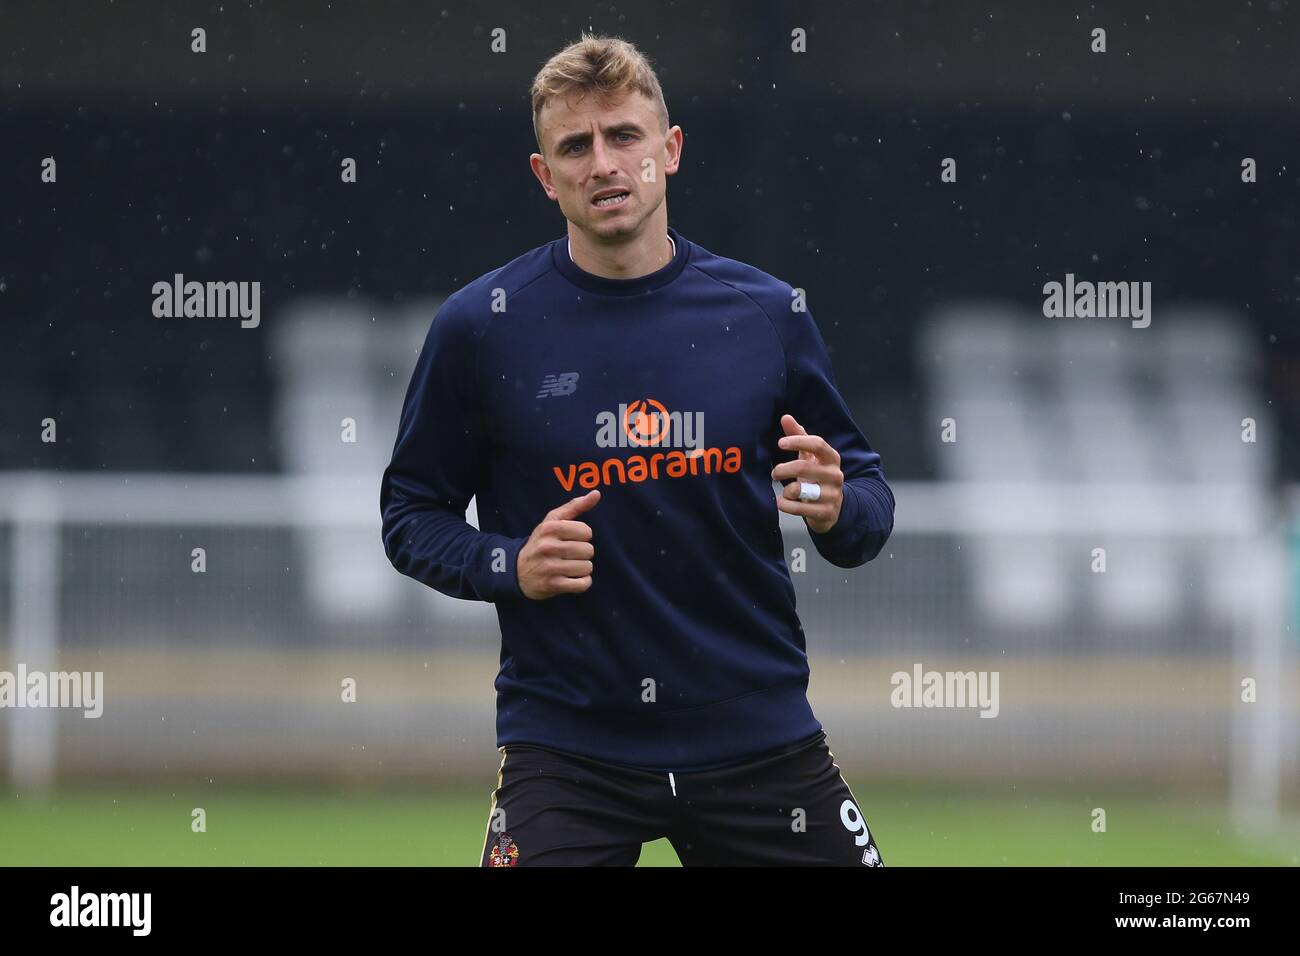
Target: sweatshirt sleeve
[
  {"x": 867, "y": 514},
  {"x": 436, "y": 468}
]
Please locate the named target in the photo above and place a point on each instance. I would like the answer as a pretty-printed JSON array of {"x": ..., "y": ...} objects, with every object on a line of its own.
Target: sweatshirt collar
[{"x": 641, "y": 284}]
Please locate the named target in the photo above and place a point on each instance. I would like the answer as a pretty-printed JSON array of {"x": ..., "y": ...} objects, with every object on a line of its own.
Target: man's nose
[{"x": 601, "y": 157}]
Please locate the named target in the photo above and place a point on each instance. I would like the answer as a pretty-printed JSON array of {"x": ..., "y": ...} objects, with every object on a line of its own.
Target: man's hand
[
  {"x": 556, "y": 558},
  {"x": 817, "y": 462}
]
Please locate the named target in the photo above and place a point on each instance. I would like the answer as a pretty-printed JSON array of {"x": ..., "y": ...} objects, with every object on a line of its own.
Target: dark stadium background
[{"x": 821, "y": 169}]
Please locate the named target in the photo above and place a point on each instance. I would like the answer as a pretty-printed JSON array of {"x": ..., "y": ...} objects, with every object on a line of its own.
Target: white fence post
[{"x": 34, "y": 627}]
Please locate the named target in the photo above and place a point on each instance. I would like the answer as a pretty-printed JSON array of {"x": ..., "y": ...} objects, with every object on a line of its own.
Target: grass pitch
[{"x": 914, "y": 825}]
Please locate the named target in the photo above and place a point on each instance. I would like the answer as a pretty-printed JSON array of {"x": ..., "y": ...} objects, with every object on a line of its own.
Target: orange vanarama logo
[
  {"x": 645, "y": 421},
  {"x": 648, "y": 423}
]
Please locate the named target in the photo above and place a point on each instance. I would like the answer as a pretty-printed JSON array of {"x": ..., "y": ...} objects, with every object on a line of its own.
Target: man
[{"x": 620, "y": 401}]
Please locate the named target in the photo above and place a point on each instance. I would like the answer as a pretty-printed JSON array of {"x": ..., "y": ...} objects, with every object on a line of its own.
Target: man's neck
[{"x": 620, "y": 265}]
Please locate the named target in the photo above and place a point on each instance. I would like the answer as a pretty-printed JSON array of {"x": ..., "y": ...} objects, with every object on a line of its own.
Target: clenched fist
[{"x": 556, "y": 558}]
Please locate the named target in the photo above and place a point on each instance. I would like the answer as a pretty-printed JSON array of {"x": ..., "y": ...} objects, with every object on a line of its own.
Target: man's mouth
[{"x": 611, "y": 198}]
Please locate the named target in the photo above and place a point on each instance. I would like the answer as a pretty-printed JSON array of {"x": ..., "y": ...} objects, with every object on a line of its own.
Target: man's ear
[
  {"x": 674, "y": 147},
  {"x": 543, "y": 174}
]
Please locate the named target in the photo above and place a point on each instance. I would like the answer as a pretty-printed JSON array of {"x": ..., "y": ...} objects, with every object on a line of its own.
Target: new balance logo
[{"x": 566, "y": 383}]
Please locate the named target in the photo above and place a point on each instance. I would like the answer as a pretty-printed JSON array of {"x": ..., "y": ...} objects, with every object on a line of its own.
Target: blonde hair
[{"x": 606, "y": 66}]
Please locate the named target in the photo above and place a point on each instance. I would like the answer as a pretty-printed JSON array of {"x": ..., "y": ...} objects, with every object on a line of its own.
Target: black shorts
[{"x": 791, "y": 808}]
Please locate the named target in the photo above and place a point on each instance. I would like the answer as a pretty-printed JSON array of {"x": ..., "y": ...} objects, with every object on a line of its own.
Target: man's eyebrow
[{"x": 566, "y": 141}]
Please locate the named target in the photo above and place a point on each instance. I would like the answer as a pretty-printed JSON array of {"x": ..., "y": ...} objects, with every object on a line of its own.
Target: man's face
[{"x": 594, "y": 148}]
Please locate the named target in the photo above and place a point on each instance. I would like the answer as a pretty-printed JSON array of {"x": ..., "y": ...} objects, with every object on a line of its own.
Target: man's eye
[{"x": 572, "y": 146}]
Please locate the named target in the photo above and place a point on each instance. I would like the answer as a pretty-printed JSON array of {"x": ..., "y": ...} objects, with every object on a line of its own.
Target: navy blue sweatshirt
[{"x": 538, "y": 382}]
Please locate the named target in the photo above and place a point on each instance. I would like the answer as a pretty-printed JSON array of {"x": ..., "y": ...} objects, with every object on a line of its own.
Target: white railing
[{"x": 1244, "y": 528}]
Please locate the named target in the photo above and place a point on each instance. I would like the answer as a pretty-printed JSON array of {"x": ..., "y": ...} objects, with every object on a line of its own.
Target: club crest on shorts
[
  {"x": 871, "y": 857},
  {"x": 505, "y": 853}
]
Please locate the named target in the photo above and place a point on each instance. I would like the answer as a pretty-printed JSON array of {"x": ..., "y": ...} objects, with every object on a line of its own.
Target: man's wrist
[
  {"x": 848, "y": 513},
  {"x": 501, "y": 580}
]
